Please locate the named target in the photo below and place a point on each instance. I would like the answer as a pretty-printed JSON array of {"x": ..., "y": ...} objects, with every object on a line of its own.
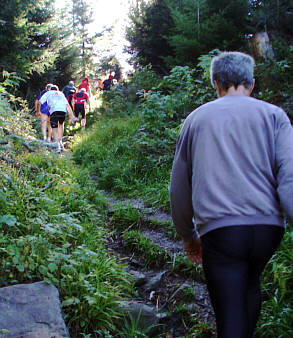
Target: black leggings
[
  {"x": 233, "y": 260},
  {"x": 79, "y": 109}
]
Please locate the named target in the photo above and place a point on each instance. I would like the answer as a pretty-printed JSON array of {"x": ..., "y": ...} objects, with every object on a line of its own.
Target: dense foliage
[
  {"x": 49, "y": 46},
  {"x": 52, "y": 226},
  {"x": 28, "y": 24},
  {"x": 168, "y": 33},
  {"x": 147, "y": 35}
]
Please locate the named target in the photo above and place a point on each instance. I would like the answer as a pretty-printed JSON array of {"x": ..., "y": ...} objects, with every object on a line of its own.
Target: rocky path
[{"x": 172, "y": 300}]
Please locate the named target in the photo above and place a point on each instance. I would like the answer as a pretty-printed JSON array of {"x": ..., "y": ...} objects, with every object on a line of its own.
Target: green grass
[
  {"x": 54, "y": 222},
  {"x": 51, "y": 230},
  {"x": 124, "y": 218},
  {"x": 148, "y": 252},
  {"x": 277, "y": 309},
  {"x": 183, "y": 266},
  {"x": 113, "y": 151}
]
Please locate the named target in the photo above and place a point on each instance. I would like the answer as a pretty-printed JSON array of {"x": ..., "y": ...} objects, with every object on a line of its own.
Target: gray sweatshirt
[{"x": 233, "y": 166}]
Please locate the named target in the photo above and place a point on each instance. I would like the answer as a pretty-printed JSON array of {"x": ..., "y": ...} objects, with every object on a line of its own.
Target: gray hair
[
  {"x": 232, "y": 69},
  {"x": 71, "y": 83},
  {"x": 48, "y": 86}
]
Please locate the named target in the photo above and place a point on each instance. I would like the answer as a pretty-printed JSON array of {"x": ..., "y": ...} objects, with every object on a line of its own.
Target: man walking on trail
[
  {"x": 58, "y": 106},
  {"x": 44, "y": 115},
  {"x": 70, "y": 97},
  {"x": 107, "y": 84},
  {"x": 79, "y": 100},
  {"x": 68, "y": 88},
  {"x": 231, "y": 183}
]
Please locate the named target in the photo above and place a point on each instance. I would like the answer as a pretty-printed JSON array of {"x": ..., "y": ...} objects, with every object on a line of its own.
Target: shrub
[{"x": 277, "y": 313}]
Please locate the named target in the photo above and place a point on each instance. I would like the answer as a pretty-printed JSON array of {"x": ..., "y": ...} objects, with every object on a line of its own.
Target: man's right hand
[{"x": 193, "y": 250}]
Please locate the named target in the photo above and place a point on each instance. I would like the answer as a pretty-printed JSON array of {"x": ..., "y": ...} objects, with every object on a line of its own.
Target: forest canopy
[
  {"x": 168, "y": 33},
  {"x": 51, "y": 45}
]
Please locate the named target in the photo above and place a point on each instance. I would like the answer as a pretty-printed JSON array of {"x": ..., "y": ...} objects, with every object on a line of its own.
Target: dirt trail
[
  {"x": 180, "y": 303},
  {"x": 173, "y": 302}
]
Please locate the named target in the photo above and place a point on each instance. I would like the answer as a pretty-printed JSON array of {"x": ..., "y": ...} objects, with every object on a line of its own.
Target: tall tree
[
  {"x": 273, "y": 15},
  {"x": 81, "y": 18},
  {"x": 109, "y": 64},
  {"x": 204, "y": 25},
  {"x": 27, "y": 35},
  {"x": 151, "y": 23},
  {"x": 186, "y": 36},
  {"x": 226, "y": 24},
  {"x": 166, "y": 33}
]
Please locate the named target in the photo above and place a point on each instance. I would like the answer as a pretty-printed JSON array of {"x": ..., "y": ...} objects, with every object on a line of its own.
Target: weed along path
[{"x": 171, "y": 297}]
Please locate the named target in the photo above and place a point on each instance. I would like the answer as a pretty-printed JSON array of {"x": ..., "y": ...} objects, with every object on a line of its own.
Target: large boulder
[{"x": 31, "y": 311}]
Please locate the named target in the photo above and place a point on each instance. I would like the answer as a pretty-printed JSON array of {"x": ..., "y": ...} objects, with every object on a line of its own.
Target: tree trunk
[{"x": 261, "y": 47}]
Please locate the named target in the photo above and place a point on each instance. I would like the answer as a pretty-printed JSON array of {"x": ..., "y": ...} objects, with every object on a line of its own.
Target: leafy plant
[
  {"x": 125, "y": 218},
  {"x": 49, "y": 230},
  {"x": 277, "y": 314},
  {"x": 184, "y": 266},
  {"x": 133, "y": 329},
  {"x": 148, "y": 251}
]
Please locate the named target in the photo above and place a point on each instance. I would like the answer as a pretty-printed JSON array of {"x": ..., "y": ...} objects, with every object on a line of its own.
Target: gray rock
[
  {"x": 138, "y": 277},
  {"x": 154, "y": 282},
  {"x": 144, "y": 315},
  {"x": 31, "y": 311}
]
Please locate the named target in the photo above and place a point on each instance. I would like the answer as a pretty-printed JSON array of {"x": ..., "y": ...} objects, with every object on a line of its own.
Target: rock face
[{"x": 31, "y": 311}]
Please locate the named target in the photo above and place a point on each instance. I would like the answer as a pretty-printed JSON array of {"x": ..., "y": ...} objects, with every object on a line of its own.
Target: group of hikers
[
  {"x": 52, "y": 105},
  {"x": 107, "y": 83}
]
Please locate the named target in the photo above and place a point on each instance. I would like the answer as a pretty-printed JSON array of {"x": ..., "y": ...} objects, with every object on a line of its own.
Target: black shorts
[
  {"x": 79, "y": 109},
  {"x": 57, "y": 117}
]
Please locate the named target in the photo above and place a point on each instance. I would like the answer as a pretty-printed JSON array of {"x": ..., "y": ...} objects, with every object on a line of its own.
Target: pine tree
[
  {"x": 150, "y": 25},
  {"x": 109, "y": 64},
  {"x": 272, "y": 15},
  {"x": 166, "y": 33},
  {"x": 27, "y": 36},
  {"x": 81, "y": 18}
]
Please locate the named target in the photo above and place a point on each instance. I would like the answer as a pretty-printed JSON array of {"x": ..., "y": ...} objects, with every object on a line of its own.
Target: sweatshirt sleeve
[
  {"x": 43, "y": 98},
  {"x": 181, "y": 187},
  {"x": 284, "y": 163}
]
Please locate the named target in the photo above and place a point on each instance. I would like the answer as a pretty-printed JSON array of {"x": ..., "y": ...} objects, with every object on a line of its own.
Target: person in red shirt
[
  {"x": 84, "y": 84},
  {"x": 79, "y": 100}
]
